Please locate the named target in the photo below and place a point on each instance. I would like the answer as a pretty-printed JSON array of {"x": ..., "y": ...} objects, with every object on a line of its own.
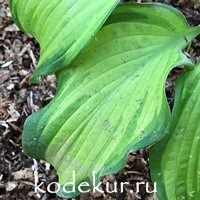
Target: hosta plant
[
  {"x": 175, "y": 160},
  {"x": 62, "y": 28},
  {"x": 111, "y": 71}
]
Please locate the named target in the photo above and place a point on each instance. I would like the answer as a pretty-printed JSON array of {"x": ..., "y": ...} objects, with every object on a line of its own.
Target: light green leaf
[
  {"x": 111, "y": 100},
  {"x": 175, "y": 161},
  {"x": 62, "y": 27}
]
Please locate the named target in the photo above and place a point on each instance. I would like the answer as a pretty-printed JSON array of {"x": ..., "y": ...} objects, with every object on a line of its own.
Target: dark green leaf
[{"x": 175, "y": 161}]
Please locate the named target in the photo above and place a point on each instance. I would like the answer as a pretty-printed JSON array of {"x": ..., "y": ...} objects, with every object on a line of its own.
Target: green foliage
[
  {"x": 62, "y": 27},
  {"x": 110, "y": 98},
  {"x": 175, "y": 160}
]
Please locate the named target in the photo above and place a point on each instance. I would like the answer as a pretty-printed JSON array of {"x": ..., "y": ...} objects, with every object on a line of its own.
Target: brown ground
[{"x": 19, "y": 98}]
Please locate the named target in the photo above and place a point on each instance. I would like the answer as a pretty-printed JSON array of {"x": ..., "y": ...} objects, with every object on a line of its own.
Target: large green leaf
[
  {"x": 62, "y": 27},
  {"x": 111, "y": 100},
  {"x": 175, "y": 161}
]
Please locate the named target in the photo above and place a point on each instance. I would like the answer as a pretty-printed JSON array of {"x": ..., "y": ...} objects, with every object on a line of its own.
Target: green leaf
[
  {"x": 111, "y": 100},
  {"x": 175, "y": 160},
  {"x": 62, "y": 27}
]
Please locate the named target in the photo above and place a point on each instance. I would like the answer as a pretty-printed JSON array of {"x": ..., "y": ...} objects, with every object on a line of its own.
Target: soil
[{"x": 19, "y": 98}]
